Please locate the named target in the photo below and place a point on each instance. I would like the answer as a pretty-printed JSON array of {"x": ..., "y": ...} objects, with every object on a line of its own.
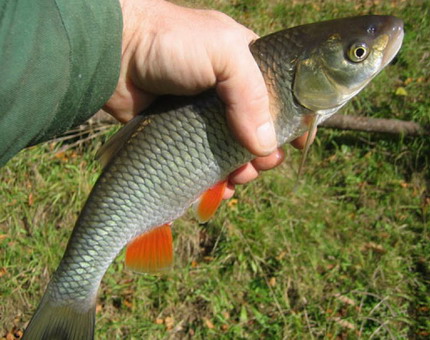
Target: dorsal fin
[
  {"x": 151, "y": 252},
  {"x": 209, "y": 201},
  {"x": 116, "y": 142}
]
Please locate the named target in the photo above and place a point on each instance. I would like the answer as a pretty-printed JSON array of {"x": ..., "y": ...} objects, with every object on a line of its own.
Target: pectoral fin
[
  {"x": 151, "y": 252},
  {"x": 208, "y": 203},
  {"x": 312, "y": 123}
]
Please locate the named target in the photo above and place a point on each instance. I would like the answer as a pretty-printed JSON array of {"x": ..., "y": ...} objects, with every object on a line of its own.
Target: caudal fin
[{"x": 53, "y": 322}]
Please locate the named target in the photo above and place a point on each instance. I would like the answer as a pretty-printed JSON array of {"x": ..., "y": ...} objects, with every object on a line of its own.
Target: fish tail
[{"x": 54, "y": 322}]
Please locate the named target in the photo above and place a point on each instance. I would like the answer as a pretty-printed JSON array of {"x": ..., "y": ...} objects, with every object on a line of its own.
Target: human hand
[{"x": 168, "y": 49}]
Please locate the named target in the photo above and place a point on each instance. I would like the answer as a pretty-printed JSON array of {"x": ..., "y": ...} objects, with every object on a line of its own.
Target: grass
[{"x": 344, "y": 257}]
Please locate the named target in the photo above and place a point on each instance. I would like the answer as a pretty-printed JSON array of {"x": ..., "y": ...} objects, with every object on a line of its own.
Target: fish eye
[{"x": 358, "y": 52}]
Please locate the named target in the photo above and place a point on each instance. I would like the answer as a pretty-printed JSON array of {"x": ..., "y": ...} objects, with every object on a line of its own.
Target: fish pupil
[{"x": 360, "y": 52}]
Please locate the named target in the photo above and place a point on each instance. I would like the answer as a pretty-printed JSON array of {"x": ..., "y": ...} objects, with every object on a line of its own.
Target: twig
[{"x": 391, "y": 126}]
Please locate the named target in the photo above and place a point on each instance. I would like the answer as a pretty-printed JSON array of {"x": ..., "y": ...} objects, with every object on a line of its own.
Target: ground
[{"x": 346, "y": 256}]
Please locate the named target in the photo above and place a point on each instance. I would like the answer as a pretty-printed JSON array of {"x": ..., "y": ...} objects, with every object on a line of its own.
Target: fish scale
[
  {"x": 160, "y": 190},
  {"x": 166, "y": 158}
]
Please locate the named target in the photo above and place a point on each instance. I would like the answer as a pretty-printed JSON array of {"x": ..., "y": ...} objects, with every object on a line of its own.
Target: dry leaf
[
  {"x": 377, "y": 248},
  {"x": 404, "y": 184},
  {"x": 343, "y": 323},
  {"x": 30, "y": 199},
  {"x": 272, "y": 282},
  {"x": 169, "y": 322},
  {"x": 61, "y": 156},
  {"x": 281, "y": 255},
  {"x": 3, "y": 271},
  {"x": 233, "y": 202},
  {"x": 344, "y": 299},
  {"x": 401, "y": 91},
  {"x": 128, "y": 304},
  {"x": 408, "y": 81},
  {"x": 208, "y": 323}
]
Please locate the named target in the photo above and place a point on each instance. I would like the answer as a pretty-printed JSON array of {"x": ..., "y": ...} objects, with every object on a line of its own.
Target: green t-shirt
[{"x": 59, "y": 63}]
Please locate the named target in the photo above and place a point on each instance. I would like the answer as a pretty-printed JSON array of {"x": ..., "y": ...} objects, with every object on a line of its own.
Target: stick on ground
[{"x": 391, "y": 126}]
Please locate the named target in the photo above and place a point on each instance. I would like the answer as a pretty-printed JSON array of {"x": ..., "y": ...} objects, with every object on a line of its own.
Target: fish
[{"x": 180, "y": 151}]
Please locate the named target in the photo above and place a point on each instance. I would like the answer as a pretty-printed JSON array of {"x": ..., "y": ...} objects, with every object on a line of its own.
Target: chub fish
[{"x": 180, "y": 151}]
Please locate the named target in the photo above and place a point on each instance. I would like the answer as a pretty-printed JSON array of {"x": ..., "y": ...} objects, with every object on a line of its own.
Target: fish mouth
[{"x": 395, "y": 34}]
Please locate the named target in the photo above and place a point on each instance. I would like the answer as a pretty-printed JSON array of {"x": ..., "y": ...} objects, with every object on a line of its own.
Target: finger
[
  {"x": 299, "y": 142},
  {"x": 269, "y": 162},
  {"x": 244, "y": 174},
  {"x": 241, "y": 87},
  {"x": 228, "y": 192}
]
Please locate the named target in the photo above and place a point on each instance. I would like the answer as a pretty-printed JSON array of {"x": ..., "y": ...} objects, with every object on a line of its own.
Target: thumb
[{"x": 242, "y": 89}]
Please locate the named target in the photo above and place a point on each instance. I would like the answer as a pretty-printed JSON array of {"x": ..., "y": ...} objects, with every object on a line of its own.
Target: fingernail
[{"x": 267, "y": 137}]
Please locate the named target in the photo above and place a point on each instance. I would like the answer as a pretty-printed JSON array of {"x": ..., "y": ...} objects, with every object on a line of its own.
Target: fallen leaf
[
  {"x": 61, "y": 156},
  {"x": 330, "y": 266},
  {"x": 209, "y": 323},
  {"x": 3, "y": 271},
  {"x": 344, "y": 299},
  {"x": 272, "y": 282},
  {"x": 30, "y": 199},
  {"x": 233, "y": 202},
  {"x": 404, "y": 184},
  {"x": 343, "y": 323},
  {"x": 169, "y": 322},
  {"x": 281, "y": 255},
  {"x": 226, "y": 315},
  {"x": 408, "y": 81},
  {"x": 401, "y": 91},
  {"x": 128, "y": 304},
  {"x": 377, "y": 248}
]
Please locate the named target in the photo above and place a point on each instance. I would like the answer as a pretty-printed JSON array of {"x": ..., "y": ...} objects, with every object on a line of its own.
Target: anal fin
[{"x": 151, "y": 252}]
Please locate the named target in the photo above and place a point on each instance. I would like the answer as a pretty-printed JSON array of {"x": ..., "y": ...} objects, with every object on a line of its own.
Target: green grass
[{"x": 344, "y": 257}]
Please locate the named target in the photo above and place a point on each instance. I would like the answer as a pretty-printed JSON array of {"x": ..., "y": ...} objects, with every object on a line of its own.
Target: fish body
[{"x": 168, "y": 157}]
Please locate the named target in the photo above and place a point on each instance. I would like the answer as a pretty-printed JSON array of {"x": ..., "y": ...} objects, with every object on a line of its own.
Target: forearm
[{"x": 60, "y": 63}]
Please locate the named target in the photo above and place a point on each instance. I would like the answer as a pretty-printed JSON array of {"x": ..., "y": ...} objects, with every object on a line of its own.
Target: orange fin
[
  {"x": 208, "y": 203},
  {"x": 151, "y": 252}
]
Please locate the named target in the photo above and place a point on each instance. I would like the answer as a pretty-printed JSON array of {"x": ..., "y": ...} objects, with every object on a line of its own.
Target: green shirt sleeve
[{"x": 59, "y": 63}]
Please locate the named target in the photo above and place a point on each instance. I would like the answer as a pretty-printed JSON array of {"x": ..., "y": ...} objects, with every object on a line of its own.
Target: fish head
[{"x": 342, "y": 57}]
